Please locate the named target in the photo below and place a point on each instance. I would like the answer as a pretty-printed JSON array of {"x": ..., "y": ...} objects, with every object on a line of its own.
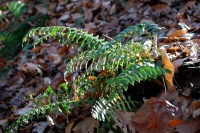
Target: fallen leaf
[
  {"x": 194, "y": 109},
  {"x": 178, "y": 33},
  {"x": 155, "y": 115},
  {"x": 89, "y": 26},
  {"x": 57, "y": 80},
  {"x": 86, "y": 125},
  {"x": 177, "y": 63},
  {"x": 167, "y": 64},
  {"x": 65, "y": 16},
  {"x": 174, "y": 122},
  {"x": 91, "y": 78},
  {"x": 69, "y": 127},
  {"x": 125, "y": 119},
  {"x": 88, "y": 14},
  {"x": 76, "y": 16},
  {"x": 189, "y": 4},
  {"x": 30, "y": 68},
  {"x": 135, "y": 4},
  {"x": 41, "y": 8},
  {"x": 3, "y": 63},
  {"x": 17, "y": 79},
  {"x": 160, "y": 8},
  {"x": 55, "y": 58},
  {"x": 112, "y": 10},
  {"x": 176, "y": 36},
  {"x": 62, "y": 50},
  {"x": 191, "y": 126},
  {"x": 39, "y": 127}
]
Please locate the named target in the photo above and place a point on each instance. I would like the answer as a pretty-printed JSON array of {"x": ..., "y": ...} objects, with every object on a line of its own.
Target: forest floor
[{"x": 31, "y": 70}]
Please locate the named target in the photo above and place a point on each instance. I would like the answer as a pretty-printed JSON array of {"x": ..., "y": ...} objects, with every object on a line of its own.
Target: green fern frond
[
  {"x": 12, "y": 36},
  {"x": 66, "y": 35},
  {"x": 133, "y": 74},
  {"x": 103, "y": 108},
  {"x": 17, "y": 8},
  {"x": 60, "y": 100}
]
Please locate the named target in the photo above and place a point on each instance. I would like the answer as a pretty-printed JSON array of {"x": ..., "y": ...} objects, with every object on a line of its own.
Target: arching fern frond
[
  {"x": 138, "y": 29},
  {"x": 134, "y": 74},
  {"x": 103, "y": 108},
  {"x": 66, "y": 35}
]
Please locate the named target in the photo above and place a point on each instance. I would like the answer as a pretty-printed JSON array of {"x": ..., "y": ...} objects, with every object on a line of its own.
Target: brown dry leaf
[
  {"x": 17, "y": 79},
  {"x": 178, "y": 33},
  {"x": 155, "y": 116},
  {"x": 56, "y": 81},
  {"x": 89, "y": 27},
  {"x": 189, "y": 4},
  {"x": 191, "y": 126},
  {"x": 175, "y": 35},
  {"x": 73, "y": 50},
  {"x": 62, "y": 68},
  {"x": 76, "y": 16},
  {"x": 55, "y": 58},
  {"x": 39, "y": 127},
  {"x": 112, "y": 9},
  {"x": 26, "y": 109},
  {"x": 125, "y": 119},
  {"x": 47, "y": 49},
  {"x": 62, "y": 50},
  {"x": 88, "y": 15},
  {"x": 28, "y": 90},
  {"x": 86, "y": 125},
  {"x": 177, "y": 63},
  {"x": 42, "y": 9},
  {"x": 186, "y": 51},
  {"x": 174, "y": 122},
  {"x": 167, "y": 64},
  {"x": 171, "y": 96},
  {"x": 37, "y": 49},
  {"x": 65, "y": 16},
  {"x": 194, "y": 109},
  {"x": 3, "y": 63},
  {"x": 30, "y": 68},
  {"x": 68, "y": 128},
  {"x": 196, "y": 41},
  {"x": 159, "y": 8},
  {"x": 135, "y": 4}
]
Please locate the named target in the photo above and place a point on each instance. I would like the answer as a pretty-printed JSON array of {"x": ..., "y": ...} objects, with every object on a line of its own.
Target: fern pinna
[{"x": 119, "y": 62}]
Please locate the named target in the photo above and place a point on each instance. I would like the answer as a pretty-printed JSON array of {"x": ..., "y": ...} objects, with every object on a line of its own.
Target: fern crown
[{"x": 121, "y": 61}]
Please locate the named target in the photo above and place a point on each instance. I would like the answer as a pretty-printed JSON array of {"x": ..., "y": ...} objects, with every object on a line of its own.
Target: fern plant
[{"x": 122, "y": 61}]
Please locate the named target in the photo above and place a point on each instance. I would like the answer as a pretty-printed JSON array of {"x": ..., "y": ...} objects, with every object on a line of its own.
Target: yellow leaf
[
  {"x": 91, "y": 78},
  {"x": 167, "y": 64}
]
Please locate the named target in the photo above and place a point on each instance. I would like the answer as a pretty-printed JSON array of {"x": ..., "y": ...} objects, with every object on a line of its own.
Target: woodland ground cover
[{"x": 170, "y": 103}]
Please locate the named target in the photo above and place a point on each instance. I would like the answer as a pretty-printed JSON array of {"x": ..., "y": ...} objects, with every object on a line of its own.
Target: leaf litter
[{"x": 32, "y": 70}]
